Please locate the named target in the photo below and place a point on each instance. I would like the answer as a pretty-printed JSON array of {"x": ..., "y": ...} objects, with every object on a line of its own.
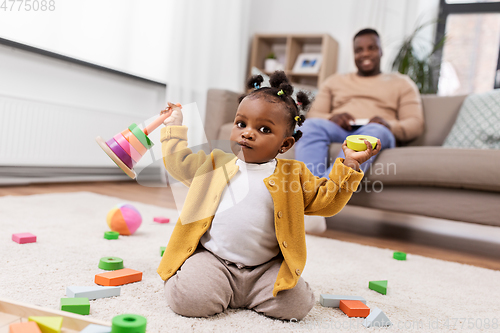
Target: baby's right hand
[{"x": 175, "y": 118}]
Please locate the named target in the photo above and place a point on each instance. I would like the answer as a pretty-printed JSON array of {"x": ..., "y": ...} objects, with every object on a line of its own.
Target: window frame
[{"x": 446, "y": 9}]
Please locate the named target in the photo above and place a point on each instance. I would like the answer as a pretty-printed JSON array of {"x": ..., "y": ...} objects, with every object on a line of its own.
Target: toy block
[
  {"x": 23, "y": 238},
  {"x": 354, "y": 308},
  {"x": 28, "y": 327},
  {"x": 79, "y": 305},
  {"x": 128, "y": 323},
  {"x": 118, "y": 277},
  {"x": 110, "y": 263},
  {"x": 48, "y": 324},
  {"x": 377, "y": 318},
  {"x": 93, "y": 292},
  {"x": 378, "y": 286},
  {"x": 93, "y": 328},
  {"x": 160, "y": 219},
  {"x": 399, "y": 255},
  {"x": 162, "y": 250},
  {"x": 333, "y": 301},
  {"x": 111, "y": 235}
]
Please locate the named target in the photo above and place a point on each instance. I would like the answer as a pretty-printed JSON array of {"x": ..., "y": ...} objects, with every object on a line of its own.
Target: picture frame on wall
[{"x": 307, "y": 63}]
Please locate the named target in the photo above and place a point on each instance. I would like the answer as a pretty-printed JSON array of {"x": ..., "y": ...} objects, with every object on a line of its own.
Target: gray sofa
[{"x": 420, "y": 178}]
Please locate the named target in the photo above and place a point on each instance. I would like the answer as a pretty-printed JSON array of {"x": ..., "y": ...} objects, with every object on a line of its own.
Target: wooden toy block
[
  {"x": 118, "y": 277},
  {"x": 354, "y": 308},
  {"x": 162, "y": 250},
  {"x": 79, "y": 305},
  {"x": 17, "y": 312},
  {"x": 92, "y": 328},
  {"x": 24, "y": 237},
  {"x": 92, "y": 292},
  {"x": 333, "y": 301},
  {"x": 48, "y": 324},
  {"x": 399, "y": 255},
  {"x": 160, "y": 219},
  {"x": 378, "y": 286},
  {"x": 377, "y": 318},
  {"x": 29, "y": 327}
]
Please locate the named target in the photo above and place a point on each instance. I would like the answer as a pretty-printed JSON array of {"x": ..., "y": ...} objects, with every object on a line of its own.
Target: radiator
[{"x": 46, "y": 136}]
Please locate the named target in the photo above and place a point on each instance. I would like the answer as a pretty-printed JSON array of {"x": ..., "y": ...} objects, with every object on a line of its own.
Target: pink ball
[{"x": 124, "y": 218}]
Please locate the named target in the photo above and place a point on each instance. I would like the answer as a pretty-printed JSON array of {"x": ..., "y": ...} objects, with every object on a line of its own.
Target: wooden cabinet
[{"x": 288, "y": 47}]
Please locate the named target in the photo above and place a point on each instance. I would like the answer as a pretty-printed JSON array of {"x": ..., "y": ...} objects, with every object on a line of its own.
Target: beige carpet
[{"x": 423, "y": 294}]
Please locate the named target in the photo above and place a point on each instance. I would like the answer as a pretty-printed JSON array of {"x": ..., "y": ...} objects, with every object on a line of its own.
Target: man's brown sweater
[{"x": 393, "y": 97}]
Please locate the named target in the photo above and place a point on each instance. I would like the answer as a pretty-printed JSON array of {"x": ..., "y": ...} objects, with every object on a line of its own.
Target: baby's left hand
[{"x": 354, "y": 158}]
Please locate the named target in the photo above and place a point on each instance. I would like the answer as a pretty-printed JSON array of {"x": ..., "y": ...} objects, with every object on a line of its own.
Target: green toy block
[
  {"x": 162, "y": 250},
  {"x": 78, "y": 305},
  {"x": 399, "y": 255},
  {"x": 111, "y": 235},
  {"x": 48, "y": 324},
  {"x": 378, "y": 286}
]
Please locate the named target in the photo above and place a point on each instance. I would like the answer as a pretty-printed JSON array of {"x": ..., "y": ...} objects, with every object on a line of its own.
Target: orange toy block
[
  {"x": 118, "y": 277},
  {"x": 354, "y": 308},
  {"x": 29, "y": 327}
]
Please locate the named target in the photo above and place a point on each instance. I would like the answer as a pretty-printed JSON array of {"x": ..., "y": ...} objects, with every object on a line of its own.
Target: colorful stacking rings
[{"x": 130, "y": 145}]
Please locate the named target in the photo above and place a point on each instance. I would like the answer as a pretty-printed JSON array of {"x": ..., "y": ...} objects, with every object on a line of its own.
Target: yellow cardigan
[{"x": 294, "y": 189}]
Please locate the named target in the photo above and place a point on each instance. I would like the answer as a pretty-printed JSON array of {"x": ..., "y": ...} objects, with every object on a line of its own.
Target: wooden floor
[{"x": 162, "y": 196}]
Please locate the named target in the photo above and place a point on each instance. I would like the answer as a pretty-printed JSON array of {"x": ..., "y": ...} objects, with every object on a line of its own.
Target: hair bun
[
  {"x": 303, "y": 100},
  {"x": 280, "y": 81},
  {"x": 255, "y": 81}
]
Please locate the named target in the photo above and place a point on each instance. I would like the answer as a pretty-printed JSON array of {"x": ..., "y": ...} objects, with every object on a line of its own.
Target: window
[{"x": 470, "y": 57}]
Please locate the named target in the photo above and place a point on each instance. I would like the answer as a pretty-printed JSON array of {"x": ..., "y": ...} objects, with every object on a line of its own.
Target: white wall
[
  {"x": 393, "y": 19},
  {"x": 126, "y": 35}
]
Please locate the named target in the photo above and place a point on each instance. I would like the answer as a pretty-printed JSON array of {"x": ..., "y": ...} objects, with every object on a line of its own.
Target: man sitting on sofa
[{"x": 389, "y": 103}]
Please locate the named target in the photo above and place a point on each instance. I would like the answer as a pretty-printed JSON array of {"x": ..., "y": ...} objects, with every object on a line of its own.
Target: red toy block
[
  {"x": 160, "y": 219},
  {"x": 118, "y": 277},
  {"x": 28, "y": 327},
  {"x": 24, "y": 238},
  {"x": 354, "y": 308}
]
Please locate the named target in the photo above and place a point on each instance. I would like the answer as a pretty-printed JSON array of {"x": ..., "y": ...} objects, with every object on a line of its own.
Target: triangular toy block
[
  {"x": 333, "y": 301},
  {"x": 29, "y": 327},
  {"x": 48, "y": 324},
  {"x": 354, "y": 308},
  {"x": 377, "y": 318},
  {"x": 93, "y": 328},
  {"x": 92, "y": 292},
  {"x": 378, "y": 286},
  {"x": 118, "y": 277},
  {"x": 79, "y": 305}
]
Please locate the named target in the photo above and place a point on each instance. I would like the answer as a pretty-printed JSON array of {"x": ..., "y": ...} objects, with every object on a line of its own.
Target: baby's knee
[{"x": 191, "y": 302}]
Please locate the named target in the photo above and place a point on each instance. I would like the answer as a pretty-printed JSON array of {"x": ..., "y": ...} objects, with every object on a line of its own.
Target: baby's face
[{"x": 259, "y": 130}]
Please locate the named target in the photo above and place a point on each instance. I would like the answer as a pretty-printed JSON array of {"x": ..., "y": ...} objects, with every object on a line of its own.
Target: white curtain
[{"x": 208, "y": 47}]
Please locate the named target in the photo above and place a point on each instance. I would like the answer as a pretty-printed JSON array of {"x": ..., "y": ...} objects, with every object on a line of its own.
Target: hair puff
[{"x": 255, "y": 80}]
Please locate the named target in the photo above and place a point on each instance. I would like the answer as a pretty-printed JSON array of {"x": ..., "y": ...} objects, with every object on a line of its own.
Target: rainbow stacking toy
[{"x": 127, "y": 148}]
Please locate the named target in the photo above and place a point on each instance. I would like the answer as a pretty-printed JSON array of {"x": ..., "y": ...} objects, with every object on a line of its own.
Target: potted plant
[
  {"x": 271, "y": 63},
  {"x": 420, "y": 68}
]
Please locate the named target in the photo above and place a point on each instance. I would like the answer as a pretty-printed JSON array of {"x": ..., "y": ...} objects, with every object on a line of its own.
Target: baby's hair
[{"x": 281, "y": 92}]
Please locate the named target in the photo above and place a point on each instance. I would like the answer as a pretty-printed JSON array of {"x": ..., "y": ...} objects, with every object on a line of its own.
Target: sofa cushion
[
  {"x": 439, "y": 167},
  {"x": 478, "y": 123},
  {"x": 440, "y": 113}
]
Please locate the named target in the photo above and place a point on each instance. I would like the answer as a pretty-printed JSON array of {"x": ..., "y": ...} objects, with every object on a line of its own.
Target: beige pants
[{"x": 206, "y": 285}]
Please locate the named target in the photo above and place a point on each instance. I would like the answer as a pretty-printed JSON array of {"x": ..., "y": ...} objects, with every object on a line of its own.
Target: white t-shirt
[{"x": 242, "y": 230}]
